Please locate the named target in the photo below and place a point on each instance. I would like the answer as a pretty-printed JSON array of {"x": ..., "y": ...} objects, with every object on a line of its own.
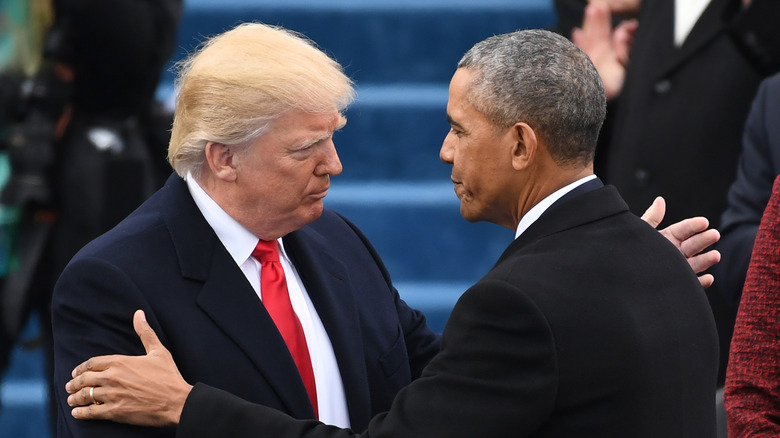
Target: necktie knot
[{"x": 266, "y": 251}]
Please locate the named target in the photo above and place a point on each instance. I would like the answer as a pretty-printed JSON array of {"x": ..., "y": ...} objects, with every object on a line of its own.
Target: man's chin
[
  {"x": 468, "y": 214},
  {"x": 314, "y": 211}
]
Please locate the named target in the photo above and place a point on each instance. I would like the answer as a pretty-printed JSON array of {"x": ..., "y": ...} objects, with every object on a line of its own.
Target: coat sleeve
[
  {"x": 752, "y": 391},
  {"x": 422, "y": 343},
  {"x": 92, "y": 311},
  {"x": 495, "y": 376}
]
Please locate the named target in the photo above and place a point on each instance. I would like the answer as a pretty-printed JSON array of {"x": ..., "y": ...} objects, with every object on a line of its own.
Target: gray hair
[{"x": 540, "y": 78}]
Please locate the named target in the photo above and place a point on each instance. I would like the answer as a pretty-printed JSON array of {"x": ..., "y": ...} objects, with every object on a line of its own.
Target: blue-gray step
[
  {"x": 418, "y": 231},
  {"x": 394, "y": 133},
  {"x": 376, "y": 40},
  {"x": 24, "y": 391}
]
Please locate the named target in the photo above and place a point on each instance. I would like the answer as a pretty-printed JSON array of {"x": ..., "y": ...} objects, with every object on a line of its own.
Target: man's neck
[
  {"x": 538, "y": 209},
  {"x": 547, "y": 183}
]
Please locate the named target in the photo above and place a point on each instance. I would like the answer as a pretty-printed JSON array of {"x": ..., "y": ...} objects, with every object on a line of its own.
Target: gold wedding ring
[{"x": 92, "y": 396}]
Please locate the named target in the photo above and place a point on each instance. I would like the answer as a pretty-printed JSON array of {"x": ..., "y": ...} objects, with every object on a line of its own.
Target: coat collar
[{"x": 583, "y": 206}]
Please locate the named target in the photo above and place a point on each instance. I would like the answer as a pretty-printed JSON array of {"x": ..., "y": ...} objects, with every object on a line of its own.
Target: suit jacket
[
  {"x": 678, "y": 122},
  {"x": 165, "y": 258},
  {"x": 753, "y": 380},
  {"x": 748, "y": 196},
  {"x": 591, "y": 324}
]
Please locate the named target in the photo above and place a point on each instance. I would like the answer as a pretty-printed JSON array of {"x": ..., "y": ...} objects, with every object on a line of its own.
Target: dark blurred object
[
  {"x": 30, "y": 108},
  {"x": 570, "y": 14},
  {"x": 85, "y": 140}
]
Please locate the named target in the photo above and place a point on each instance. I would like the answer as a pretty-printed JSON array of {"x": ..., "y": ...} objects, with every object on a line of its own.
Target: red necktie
[{"x": 276, "y": 300}]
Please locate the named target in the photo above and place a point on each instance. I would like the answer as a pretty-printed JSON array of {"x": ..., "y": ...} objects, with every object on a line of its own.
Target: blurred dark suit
[{"x": 748, "y": 196}]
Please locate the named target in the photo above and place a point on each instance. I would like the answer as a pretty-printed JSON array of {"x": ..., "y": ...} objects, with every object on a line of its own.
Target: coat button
[
  {"x": 642, "y": 178},
  {"x": 663, "y": 86}
]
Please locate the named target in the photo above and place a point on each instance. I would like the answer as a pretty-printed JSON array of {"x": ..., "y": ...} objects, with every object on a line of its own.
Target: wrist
[{"x": 174, "y": 413}]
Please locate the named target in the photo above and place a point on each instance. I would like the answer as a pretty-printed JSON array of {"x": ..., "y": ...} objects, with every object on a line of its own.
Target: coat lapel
[
  {"x": 233, "y": 305},
  {"x": 229, "y": 299},
  {"x": 330, "y": 289}
]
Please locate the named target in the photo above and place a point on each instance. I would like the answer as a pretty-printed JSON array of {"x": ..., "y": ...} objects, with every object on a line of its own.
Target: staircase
[{"x": 401, "y": 54}]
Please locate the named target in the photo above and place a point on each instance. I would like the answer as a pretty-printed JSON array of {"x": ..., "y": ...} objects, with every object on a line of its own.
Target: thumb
[
  {"x": 655, "y": 213},
  {"x": 145, "y": 332}
]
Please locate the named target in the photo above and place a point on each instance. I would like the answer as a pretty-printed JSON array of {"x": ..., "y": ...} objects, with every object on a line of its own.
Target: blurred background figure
[
  {"x": 752, "y": 395},
  {"x": 22, "y": 27},
  {"x": 84, "y": 138},
  {"x": 752, "y": 391},
  {"x": 748, "y": 196},
  {"x": 682, "y": 75}
]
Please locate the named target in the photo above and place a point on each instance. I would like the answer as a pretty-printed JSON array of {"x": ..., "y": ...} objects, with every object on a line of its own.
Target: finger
[
  {"x": 706, "y": 280},
  {"x": 687, "y": 228},
  {"x": 144, "y": 330},
  {"x": 655, "y": 213},
  {"x": 598, "y": 21},
  {"x": 98, "y": 363},
  {"x": 699, "y": 242},
  {"x": 91, "y": 412},
  {"x": 622, "y": 39},
  {"x": 702, "y": 262},
  {"x": 82, "y": 398},
  {"x": 84, "y": 380}
]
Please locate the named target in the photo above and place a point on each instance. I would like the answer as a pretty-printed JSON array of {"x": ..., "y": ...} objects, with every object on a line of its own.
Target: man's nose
[
  {"x": 446, "y": 151},
  {"x": 331, "y": 164}
]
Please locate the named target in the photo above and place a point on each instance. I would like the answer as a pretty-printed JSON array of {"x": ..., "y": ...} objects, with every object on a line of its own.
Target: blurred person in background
[
  {"x": 681, "y": 75},
  {"x": 753, "y": 382},
  {"x": 83, "y": 133},
  {"x": 748, "y": 196},
  {"x": 23, "y": 25}
]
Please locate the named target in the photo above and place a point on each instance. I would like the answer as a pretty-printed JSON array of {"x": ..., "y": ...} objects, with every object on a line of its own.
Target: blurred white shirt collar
[{"x": 686, "y": 14}]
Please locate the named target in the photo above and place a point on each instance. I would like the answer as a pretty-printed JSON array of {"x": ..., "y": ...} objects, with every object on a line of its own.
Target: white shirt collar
[{"x": 536, "y": 211}]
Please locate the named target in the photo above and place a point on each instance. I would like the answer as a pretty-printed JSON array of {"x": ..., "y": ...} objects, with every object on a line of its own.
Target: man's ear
[
  {"x": 222, "y": 161},
  {"x": 525, "y": 145}
]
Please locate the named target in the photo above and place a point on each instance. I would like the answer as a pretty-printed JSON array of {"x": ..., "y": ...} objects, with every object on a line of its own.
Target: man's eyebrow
[
  {"x": 452, "y": 122},
  {"x": 308, "y": 141}
]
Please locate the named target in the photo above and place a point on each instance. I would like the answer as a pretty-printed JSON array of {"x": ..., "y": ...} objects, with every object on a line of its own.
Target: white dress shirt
[
  {"x": 240, "y": 242},
  {"x": 686, "y": 14},
  {"x": 536, "y": 211}
]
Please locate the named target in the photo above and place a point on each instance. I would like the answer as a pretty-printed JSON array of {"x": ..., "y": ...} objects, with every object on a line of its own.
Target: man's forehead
[
  {"x": 298, "y": 126},
  {"x": 310, "y": 120}
]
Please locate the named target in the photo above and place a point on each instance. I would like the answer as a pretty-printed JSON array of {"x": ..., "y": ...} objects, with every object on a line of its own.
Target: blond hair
[{"x": 238, "y": 82}]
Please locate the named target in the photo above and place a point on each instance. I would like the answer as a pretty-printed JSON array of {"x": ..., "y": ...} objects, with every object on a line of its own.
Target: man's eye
[{"x": 305, "y": 147}]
